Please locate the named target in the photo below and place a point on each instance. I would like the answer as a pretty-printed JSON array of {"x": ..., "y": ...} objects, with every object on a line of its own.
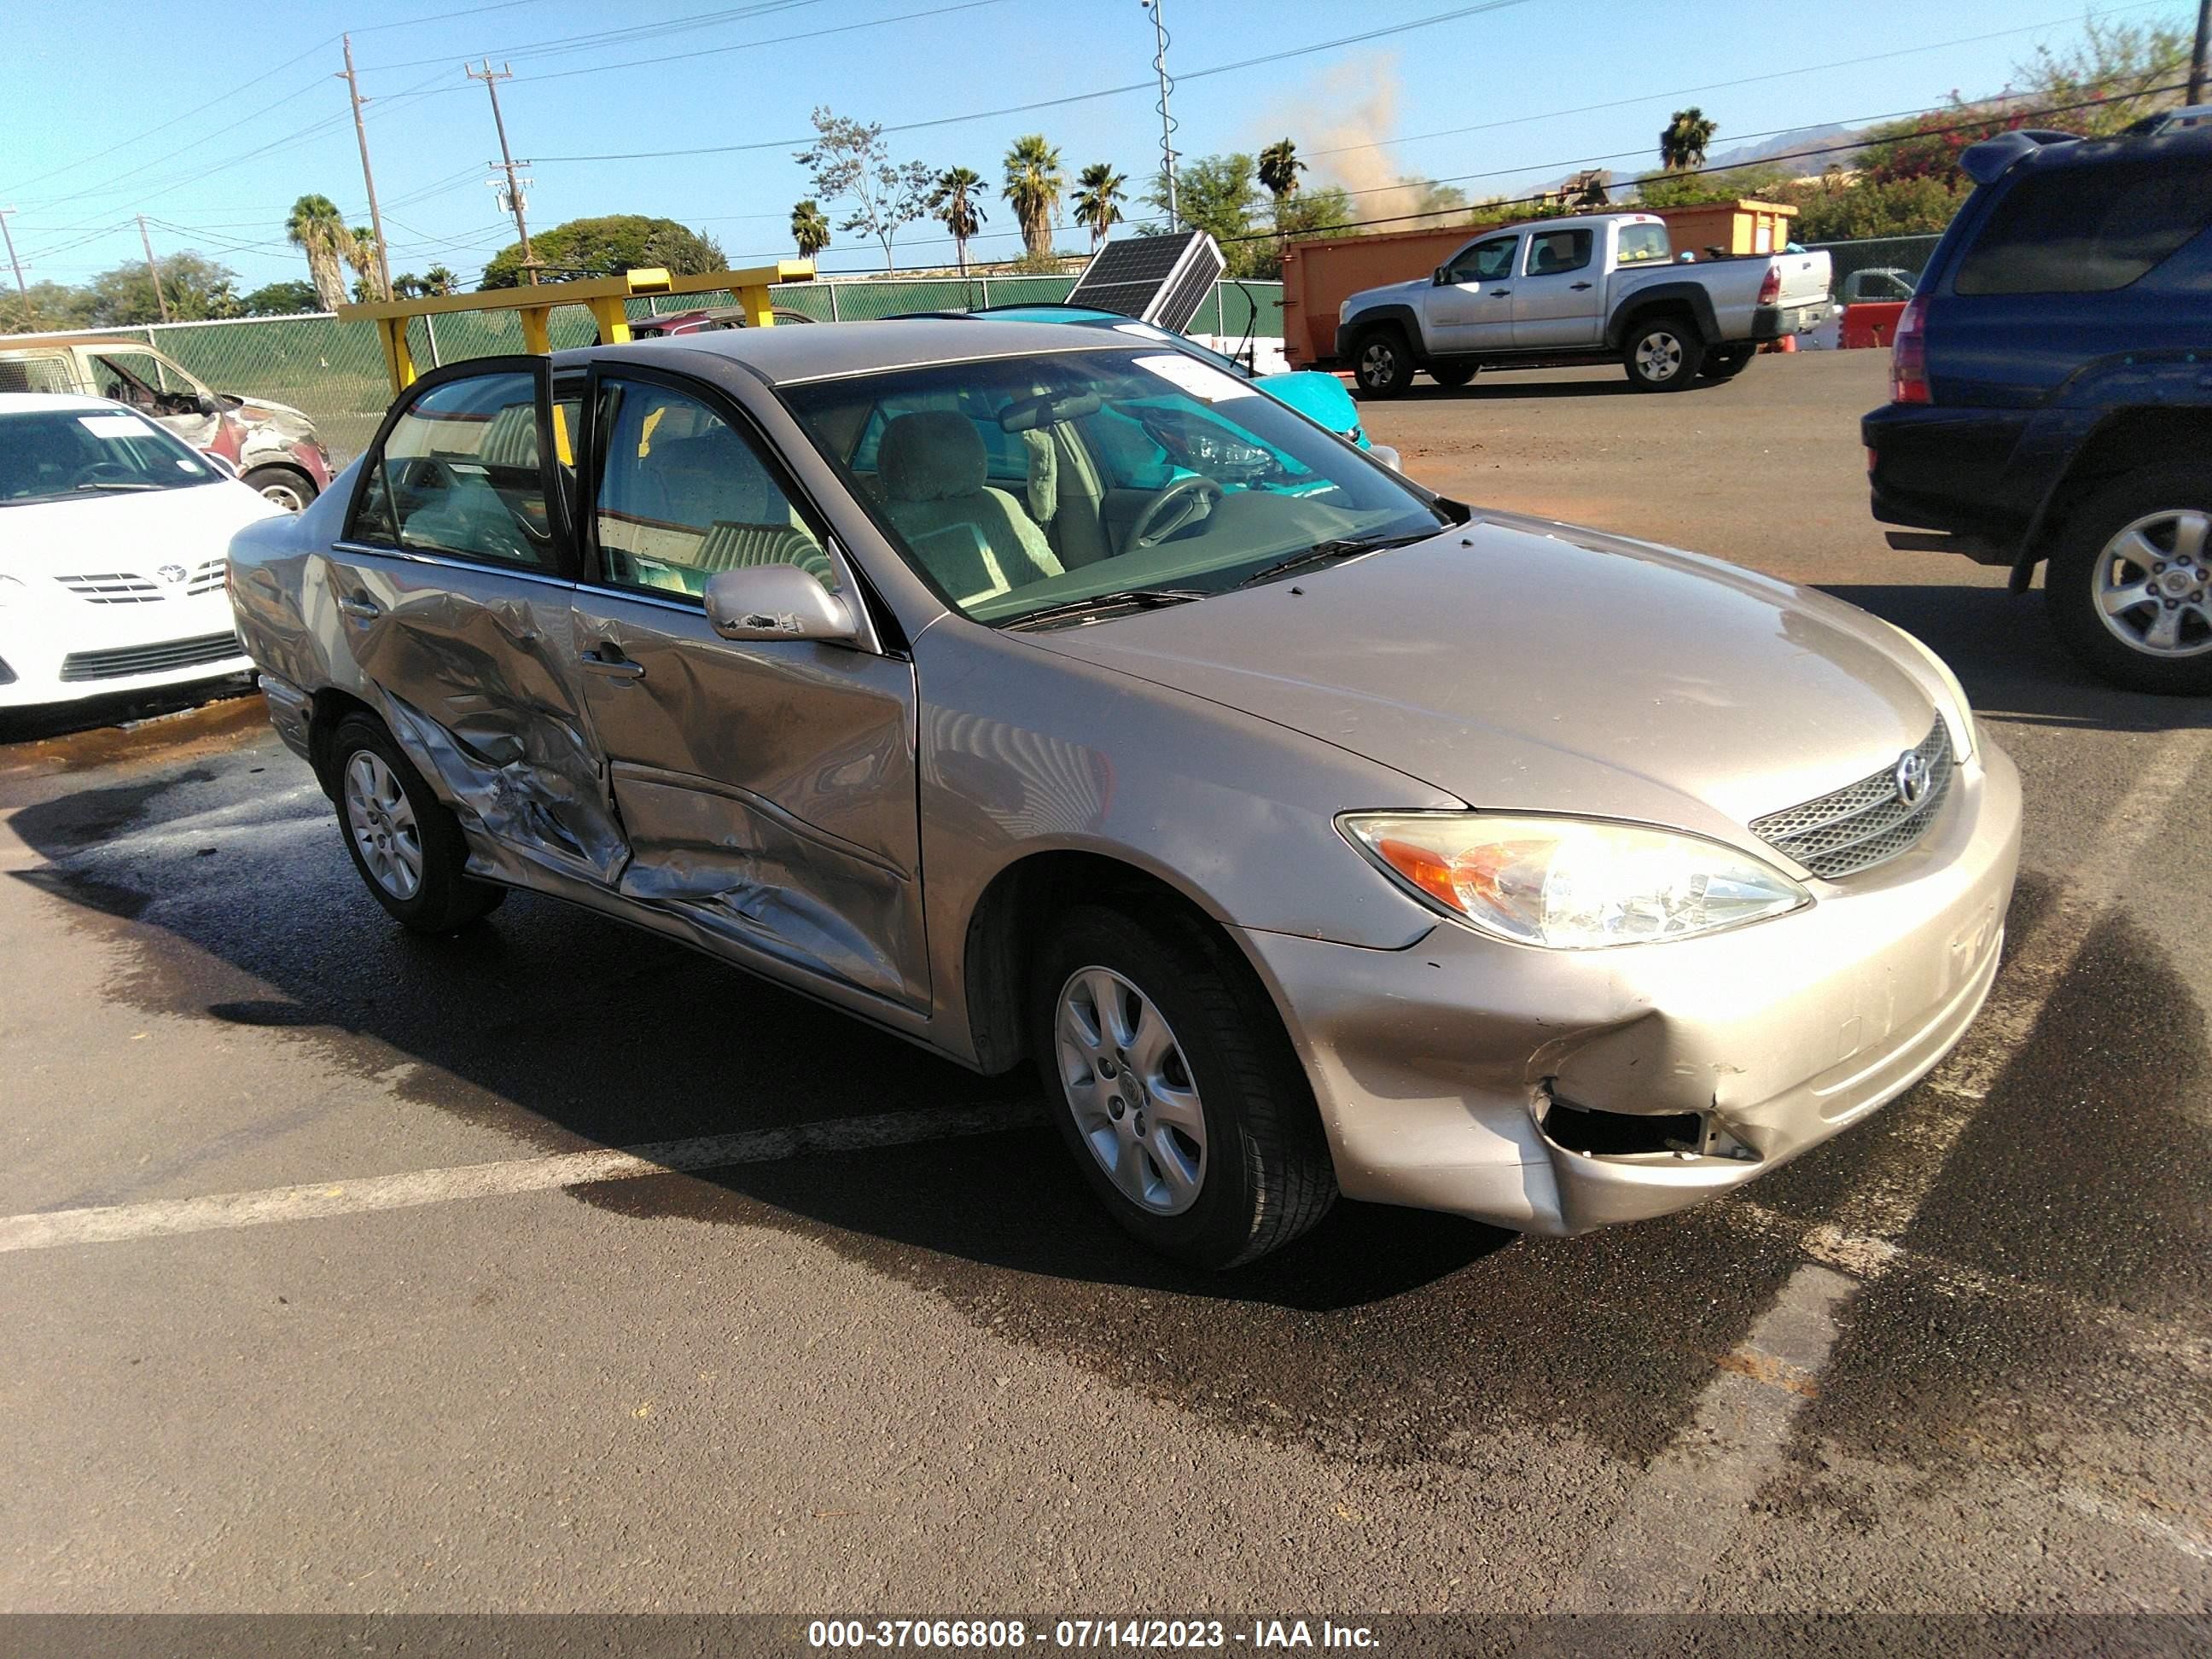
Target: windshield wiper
[
  {"x": 1123, "y": 598},
  {"x": 115, "y": 483},
  {"x": 1343, "y": 547}
]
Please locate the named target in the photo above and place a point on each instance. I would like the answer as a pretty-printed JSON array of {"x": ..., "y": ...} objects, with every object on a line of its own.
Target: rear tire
[
  {"x": 288, "y": 490},
  {"x": 1382, "y": 362},
  {"x": 1454, "y": 375},
  {"x": 406, "y": 844},
  {"x": 1663, "y": 354},
  {"x": 1725, "y": 363},
  {"x": 2130, "y": 583},
  {"x": 1171, "y": 1080}
]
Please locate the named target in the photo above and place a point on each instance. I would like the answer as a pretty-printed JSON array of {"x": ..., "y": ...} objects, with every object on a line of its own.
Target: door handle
[
  {"x": 1499, "y": 293},
  {"x": 360, "y": 610},
  {"x": 612, "y": 668},
  {"x": 1578, "y": 287}
]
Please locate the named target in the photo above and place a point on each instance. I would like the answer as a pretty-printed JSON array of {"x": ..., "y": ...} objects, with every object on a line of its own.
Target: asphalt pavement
[{"x": 553, "y": 1267}]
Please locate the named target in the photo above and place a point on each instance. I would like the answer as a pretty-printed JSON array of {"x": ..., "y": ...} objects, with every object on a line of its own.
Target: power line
[{"x": 561, "y": 44}]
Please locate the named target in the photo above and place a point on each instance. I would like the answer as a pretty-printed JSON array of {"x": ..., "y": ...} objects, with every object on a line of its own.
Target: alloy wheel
[
  {"x": 1126, "y": 1079},
  {"x": 1659, "y": 356},
  {"x": 382, "y": 823},
  {"x": 2154, "y": 584},
  {"x": 285, "y": 495},
  {"x": 1377, "y": 363}
]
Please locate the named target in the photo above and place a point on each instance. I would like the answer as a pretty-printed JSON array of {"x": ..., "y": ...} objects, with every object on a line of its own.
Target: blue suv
[{"x": 2052, "y": 391}]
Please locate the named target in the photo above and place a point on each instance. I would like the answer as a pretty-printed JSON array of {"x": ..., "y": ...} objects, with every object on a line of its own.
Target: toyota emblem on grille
[
  {"x": 1911, "y": 778},
  {"x": 171, "y": 573}
]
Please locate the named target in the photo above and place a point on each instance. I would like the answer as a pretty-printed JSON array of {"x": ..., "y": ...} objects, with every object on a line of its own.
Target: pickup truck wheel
[
  {"x": 1725, "y": 363},
  {"x": 1382, "y": 363},
  {"x": 1169, "y": 1075},
  {"x": 1452, "y": 374},
  {"x": 1663, "y": 354},
  {"x": 2130, "y": 585},
  {"x": 290, "y": 491},
  {"x": 405, "y": 843}
]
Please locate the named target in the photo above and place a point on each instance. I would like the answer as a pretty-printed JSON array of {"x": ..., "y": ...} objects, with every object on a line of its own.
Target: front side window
[
  {"x": 459, "y": 474},
  {"x": 82, "y": 454},
  {"x": 2087, "y": 229},
  {"x": 1644, "y": 244},
  {"x": 683, "y": 494},
  {"x": 1551, "y": 251},
  {"x": 1169, "y": 474},
  {"x": 1486, "y": 261},
  {"x": 143, "y": 380}
]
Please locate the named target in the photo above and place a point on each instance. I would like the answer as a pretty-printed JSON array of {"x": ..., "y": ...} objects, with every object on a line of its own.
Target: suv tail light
[
  {"x": 1908, "y": 357},
  {"x": 1770, "y": 290}
]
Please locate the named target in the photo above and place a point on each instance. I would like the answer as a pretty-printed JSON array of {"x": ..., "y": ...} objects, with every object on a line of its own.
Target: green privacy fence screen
[{"x": 334, "y": 372}]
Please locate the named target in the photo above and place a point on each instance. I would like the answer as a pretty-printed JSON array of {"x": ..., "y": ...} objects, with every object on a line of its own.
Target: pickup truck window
[
  {"x": 1486, "y": 261},
  {"x": 1551, "y": 251},
  {"x": 1645, "y": 245},
  {"x": 2085, "y": 230}
]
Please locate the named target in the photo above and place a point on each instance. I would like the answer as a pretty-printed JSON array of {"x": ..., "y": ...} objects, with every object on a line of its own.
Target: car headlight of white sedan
[{"x": 1571, "y": 884}]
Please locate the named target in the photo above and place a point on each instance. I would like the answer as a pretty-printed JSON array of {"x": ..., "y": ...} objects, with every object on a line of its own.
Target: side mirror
[
  {"x": 777, "y": 602},
  {"x": 1441, "y": 277},
  {"x": 221, "y": 464},
  {"x": 207, "y": 405},
  {"x": 1386, "y": 454}
]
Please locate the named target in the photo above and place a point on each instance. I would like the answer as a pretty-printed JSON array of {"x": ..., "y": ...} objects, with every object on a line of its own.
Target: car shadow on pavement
[{"x": 2001, "y": 646}]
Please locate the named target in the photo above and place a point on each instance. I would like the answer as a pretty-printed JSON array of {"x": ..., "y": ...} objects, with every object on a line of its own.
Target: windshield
[
  {"x": 80, "y": 454},
  {"x": 1023, "y": 485}
]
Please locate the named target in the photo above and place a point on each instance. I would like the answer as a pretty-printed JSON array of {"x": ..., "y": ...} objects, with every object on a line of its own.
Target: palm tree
[
  {"x": 362, "y": 256},
  {"x": 1279, "y": 167},
  {"x": 1033, "y": 185},
  {"x": 1682, "y": 141},
  {"x": 809, "y": 229},
  {"x": 439, "y": 280},
  {"x": 954, "y": 202},
  {"x": 318, "y": 230},
  {"x": 1098, "y": 200},
  {"x": 407, "y": 285}
]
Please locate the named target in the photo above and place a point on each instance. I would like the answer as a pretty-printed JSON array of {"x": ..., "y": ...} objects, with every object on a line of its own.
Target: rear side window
[
  {"x": 35, "y": 374},
  {"x": 1645, "y": 245},
  {"x": 2087, "y": 229},
  {"x": 1551, "y": 251}
]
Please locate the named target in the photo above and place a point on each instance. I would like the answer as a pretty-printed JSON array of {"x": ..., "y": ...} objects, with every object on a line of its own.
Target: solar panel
[{"x": 1155, "y": 279}]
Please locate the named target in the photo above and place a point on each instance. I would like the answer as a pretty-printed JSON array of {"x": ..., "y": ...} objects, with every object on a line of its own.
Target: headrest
[{"x": 931, "y": 455}]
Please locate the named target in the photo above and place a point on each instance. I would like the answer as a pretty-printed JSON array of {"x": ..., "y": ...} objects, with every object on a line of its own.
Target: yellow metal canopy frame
[{"x": 603, "y": 296}]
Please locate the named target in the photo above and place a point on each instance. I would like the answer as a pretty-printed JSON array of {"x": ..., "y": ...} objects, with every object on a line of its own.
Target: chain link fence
[
  {"x": 333, "y": 372},
  {"x": 1909, "y": 254}
]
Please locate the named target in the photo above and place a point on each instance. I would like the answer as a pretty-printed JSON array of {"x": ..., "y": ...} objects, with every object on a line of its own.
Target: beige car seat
[{"x": 974, "y": 539}]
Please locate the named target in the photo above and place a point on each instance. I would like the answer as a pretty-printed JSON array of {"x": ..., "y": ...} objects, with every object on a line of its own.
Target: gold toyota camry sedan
[{"x": 1051, "y": 697}]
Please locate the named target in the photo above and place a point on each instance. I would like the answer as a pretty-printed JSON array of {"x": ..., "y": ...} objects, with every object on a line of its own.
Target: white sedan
[{"x": 114, "y": 542}]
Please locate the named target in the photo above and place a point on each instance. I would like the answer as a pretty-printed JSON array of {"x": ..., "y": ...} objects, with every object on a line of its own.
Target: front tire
[
  {"x": 406, "y": 844},
  {"x": 1663, "y": 354},
  {"x": 1173, "y": 1086},
  {"x": 2130, "y": 585},
  {"x": 291, "y": 490},
  {"x": 1383, "y": 363},
  {"x": 1454, "y": 375}
]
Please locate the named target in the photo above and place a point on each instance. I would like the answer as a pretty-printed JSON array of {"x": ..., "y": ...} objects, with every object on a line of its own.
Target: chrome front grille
[
  {"x": 1863, "y": 823},
  {"x": 131, "y": 587}
]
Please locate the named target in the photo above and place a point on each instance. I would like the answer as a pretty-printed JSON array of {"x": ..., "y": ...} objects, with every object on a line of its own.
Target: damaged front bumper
[{"x": 1554, "y": 1091}]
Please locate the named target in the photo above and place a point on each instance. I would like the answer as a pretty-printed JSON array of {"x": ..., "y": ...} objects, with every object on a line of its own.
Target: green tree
[
  {"x": 197, "y": 287},
  {"x": 852, "y": 164},
  {"x": 1219, "y": 194},
  {"x": 1098, "y": 199},
  {"x": 439, "y": 280},
  {"x": 281, "y": 300},
  {"x": 1033, "y": 185},
  {"x": 957, "y": 203},
  {"x": 48, "y": 306},
  {"x": 318, "y": 230},
  {"x": 1278, "y": 170},
  {"x": 810, "y": 231},
  {"x": 1683, "y": 140},
  {"x": 2120, "y": 63},
  {"x": 609, "y": 245}
]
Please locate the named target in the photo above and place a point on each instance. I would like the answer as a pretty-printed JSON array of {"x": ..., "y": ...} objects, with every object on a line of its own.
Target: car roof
[
  {"x": 2194, "y": 144},
  {"x": 785, "y": 356},
  {"x": 17, "y": 342},
  {"x": 30, "y": 403}
]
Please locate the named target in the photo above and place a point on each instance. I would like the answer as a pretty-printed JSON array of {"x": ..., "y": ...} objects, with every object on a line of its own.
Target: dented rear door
[{"x": 766, "y": 789}]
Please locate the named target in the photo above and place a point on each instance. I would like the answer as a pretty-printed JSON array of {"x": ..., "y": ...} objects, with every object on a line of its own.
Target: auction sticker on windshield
[{"x": 1198, "y": 378}]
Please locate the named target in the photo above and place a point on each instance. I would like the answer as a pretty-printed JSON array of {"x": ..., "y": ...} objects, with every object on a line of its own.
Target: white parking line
[
  {"x": 1680, "y": 1515},
  {"x": 46, "y": 1230}
]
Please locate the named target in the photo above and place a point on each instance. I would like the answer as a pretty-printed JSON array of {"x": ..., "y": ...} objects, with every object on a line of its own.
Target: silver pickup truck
[{"x": 1560, "y": 292}]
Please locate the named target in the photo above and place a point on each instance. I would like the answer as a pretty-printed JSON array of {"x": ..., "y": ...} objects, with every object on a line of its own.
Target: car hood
[
  {"x": 1320, "y": 397},
  {"x": 136, "y": 531},
  {"x": 1522, "y": 666},
  {"x": 1389, "y": 293}
]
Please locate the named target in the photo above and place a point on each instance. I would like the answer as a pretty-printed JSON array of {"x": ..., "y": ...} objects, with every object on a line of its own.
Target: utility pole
[
  {"x": 1167, "y": 121},
  {"x": 2203, "y": 40},
  {"x": 30, "y": 317},
  {"x": 368, "y": 178},
  {"x": 152, "y": 270},
  {"x": 491, "y": 77}
]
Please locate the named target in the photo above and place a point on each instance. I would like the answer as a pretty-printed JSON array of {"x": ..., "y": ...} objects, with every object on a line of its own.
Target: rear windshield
[
  {"x": 82, "y": 454},
  {"x": 1645, "y": 245},
  {"x": 2087, "y": 229}
]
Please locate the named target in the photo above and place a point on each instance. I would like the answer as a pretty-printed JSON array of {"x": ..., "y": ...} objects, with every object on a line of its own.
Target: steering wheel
[
  {"x": 1188, "y": 498},
  {"x": 96, "y": 471}
]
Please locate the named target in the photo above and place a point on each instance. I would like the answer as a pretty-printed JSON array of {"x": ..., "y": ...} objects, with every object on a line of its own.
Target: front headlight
[{"x": 1571, "y": 884}]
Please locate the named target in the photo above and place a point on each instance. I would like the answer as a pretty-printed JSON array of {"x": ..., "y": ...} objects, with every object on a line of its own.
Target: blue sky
[{"x": 1544, "y": 85}]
